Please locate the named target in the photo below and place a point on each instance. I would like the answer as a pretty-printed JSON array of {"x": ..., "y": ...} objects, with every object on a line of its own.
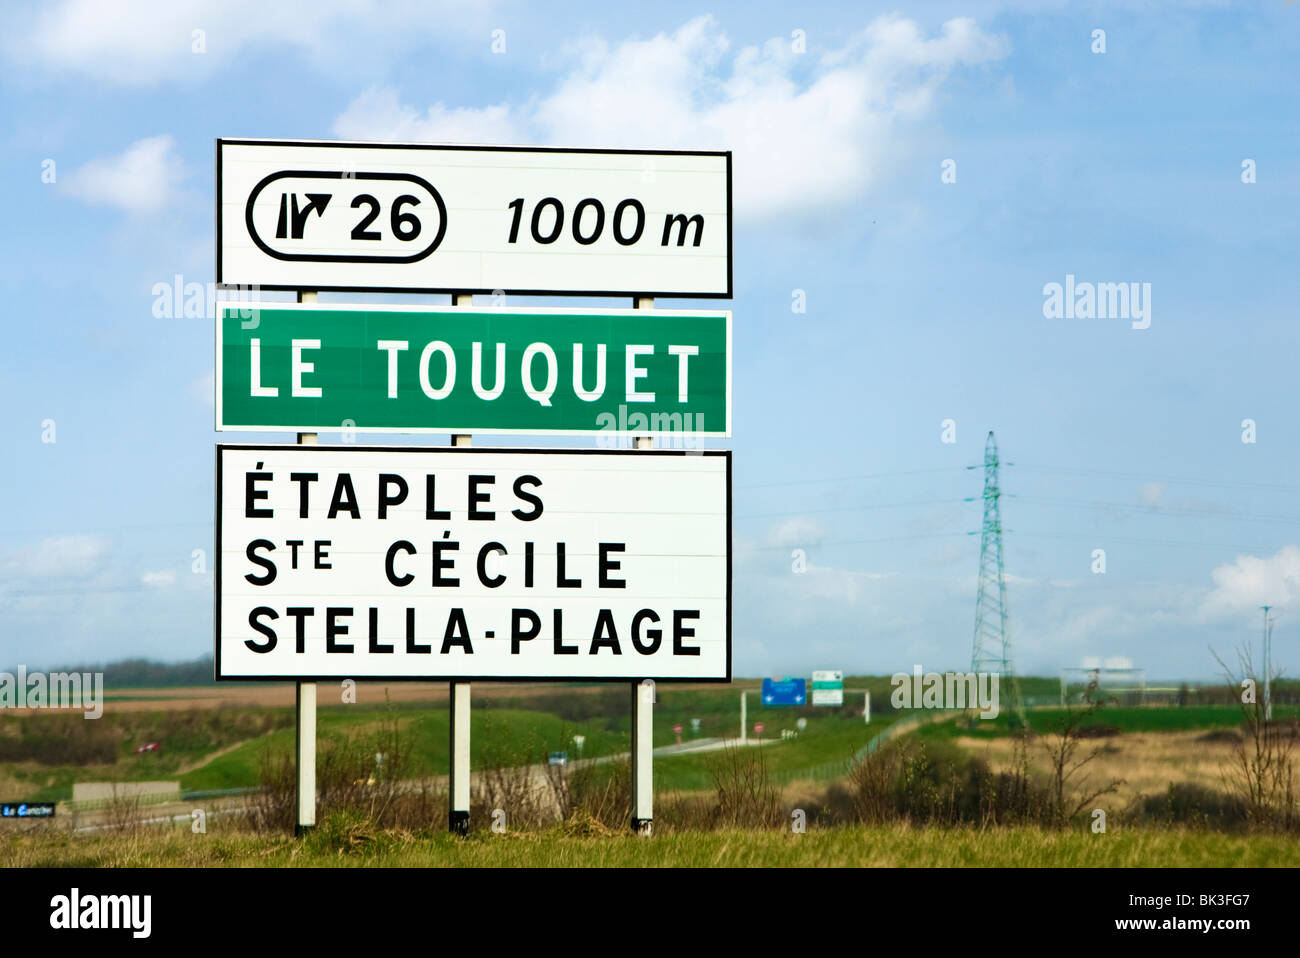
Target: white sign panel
[
  {"x": 828, "y": 687},
  {"x": 518, "y": 220},
  {"x": 413, "y": 563}
]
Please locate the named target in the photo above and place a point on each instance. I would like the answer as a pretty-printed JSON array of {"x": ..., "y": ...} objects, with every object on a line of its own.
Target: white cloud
[
  {"x": 148, "y": 41},
  {"x": 164, "y": 577},
  {"x": 378, "y": 114},
  {"x": 1249, "y": 582},
  {"x": 203, "y": 389},
  {"x": 56, "y": 557},
  {"x": 144, "y": 178},
  {"x": 795, "y": 533},
  {"x": 1153, "y": 493},
  {"x": 807, "y": 134}
]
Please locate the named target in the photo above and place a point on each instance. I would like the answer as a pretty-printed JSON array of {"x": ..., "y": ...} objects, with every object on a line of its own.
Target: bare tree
[
  {"x": 1262, "y": 768},
  {"x": 1071, "y": 792}
]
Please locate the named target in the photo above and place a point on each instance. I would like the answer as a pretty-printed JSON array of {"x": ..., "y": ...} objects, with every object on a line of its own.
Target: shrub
[{"x": 1186, "y": 803}]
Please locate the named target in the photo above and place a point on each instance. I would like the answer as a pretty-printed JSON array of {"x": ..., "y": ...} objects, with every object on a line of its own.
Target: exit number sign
[{"x": 392, "y": 217}]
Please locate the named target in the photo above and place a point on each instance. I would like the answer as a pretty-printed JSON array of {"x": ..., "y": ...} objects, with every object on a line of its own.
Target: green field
[
  {"x": 222, "y": 748},
  {"x": 513, "y": 736},
  {"x": 820, "y": 752},
  {"x": 845, "y": 846}
]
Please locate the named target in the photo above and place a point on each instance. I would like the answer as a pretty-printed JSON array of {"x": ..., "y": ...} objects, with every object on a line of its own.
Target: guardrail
[
  {"x": 153, "y": 798},
  {"x": 93, "y": 804}
]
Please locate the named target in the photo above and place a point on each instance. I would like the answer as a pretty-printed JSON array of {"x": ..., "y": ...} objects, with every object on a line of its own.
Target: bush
[
  {"x": 936, "y": 783},
  {"x": 743, "y": 795},
  {"x": 60, "y": 738},
  {"x": 601, "y": 793},
  {"x": 350, "y": 780},
  {"x": 1186, "y": 803}
]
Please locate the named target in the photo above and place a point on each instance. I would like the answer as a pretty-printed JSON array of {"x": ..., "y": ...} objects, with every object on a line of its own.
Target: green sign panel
[{"x": 336, "y": 368}]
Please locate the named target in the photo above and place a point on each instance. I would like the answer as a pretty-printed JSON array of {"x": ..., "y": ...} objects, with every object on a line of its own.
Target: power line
[
  {"x": 869, "y": 475},
  {"x": 882, "y": 505},
  {"x": 1137, "y": 477}
]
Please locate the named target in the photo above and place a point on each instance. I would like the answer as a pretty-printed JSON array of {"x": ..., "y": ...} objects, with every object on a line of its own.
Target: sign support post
[
  {"x": 305, "y": 705},
  {"x": 744, "y": 734},
  {"x": 643, "y": 697},
  {"x": 458, "y": 791}
]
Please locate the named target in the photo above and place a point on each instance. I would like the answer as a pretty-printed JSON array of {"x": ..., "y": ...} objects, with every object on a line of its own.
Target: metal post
[
  {"x": 866, "y": 708},
  {"x": 305, "y": 744},
  {"x": 458, "y": 791},
  {"x": 744, "y": 722},
  {"x": 1268, "y": 666},
  {"x": 305, "y": 705},
  {"x": 643, "y": 696}
]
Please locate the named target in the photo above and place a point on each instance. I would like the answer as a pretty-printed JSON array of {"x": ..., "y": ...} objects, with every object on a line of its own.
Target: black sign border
[
  {"x": 646, "y": 293},
  {"x": 461, "y": 450}
]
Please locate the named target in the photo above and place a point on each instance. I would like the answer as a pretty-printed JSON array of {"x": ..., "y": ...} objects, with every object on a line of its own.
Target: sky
[{"x": 909, "y": 182}]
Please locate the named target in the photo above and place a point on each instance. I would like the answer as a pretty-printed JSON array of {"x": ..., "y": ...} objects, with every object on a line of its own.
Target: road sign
[
  {"x": 784, "y": 692},
  {"x": 27, "y": 810},
  {"x": 828, "y": 687},
  {"x": 386, "y": 217},
  {"x": 412, "y": 563},
  {"x": 335, "y": 368}
]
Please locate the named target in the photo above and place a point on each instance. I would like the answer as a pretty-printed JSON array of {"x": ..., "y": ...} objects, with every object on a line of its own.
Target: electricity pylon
[{"x": 991, "y": 649}]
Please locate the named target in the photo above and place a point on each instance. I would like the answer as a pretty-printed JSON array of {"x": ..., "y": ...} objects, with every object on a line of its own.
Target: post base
[
  {"x": 644, "y": 827},
  {"x": 458, "y": 823},
  {"x": 300, "y": 830}
]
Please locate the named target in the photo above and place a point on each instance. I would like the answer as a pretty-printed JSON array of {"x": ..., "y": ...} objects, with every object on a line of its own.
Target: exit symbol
[{"x": 298, "y": 220}]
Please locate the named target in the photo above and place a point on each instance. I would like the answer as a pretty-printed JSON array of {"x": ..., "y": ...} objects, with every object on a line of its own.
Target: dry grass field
[
  {"x": 1147, "y": 762},
  {"x": 281, "y": 694}
]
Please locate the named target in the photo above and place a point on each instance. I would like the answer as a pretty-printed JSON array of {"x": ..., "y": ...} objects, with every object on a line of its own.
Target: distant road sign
[
  {"x": 387, "y": 217},
  {"x": 828, "y": 687},
  {"x": 405, "y": 562},
  {"x": 27, "y": 810},
  {"x": 784, "y": 692},
  {"x": 340, "y": 367}
]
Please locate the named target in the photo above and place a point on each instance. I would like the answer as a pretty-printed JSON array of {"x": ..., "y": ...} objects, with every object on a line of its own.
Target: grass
[
  {"x": 848, "y": 846},
  {"x": 514, "y": 730},
  {"x": 1121, "y": 718},
  {"x": 826, "y": 740},
  {"x": 220, "y": 749},
  {"x": 522, "y": 736}
]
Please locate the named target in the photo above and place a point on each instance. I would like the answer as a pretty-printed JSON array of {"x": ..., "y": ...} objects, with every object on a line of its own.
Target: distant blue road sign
[
  {"x": 785, "y": 691},
  {"x": 26, "y": 810}
]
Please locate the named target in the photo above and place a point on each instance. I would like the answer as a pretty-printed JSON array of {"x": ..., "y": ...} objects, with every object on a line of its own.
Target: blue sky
[{"x": 924, "y": 298}]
